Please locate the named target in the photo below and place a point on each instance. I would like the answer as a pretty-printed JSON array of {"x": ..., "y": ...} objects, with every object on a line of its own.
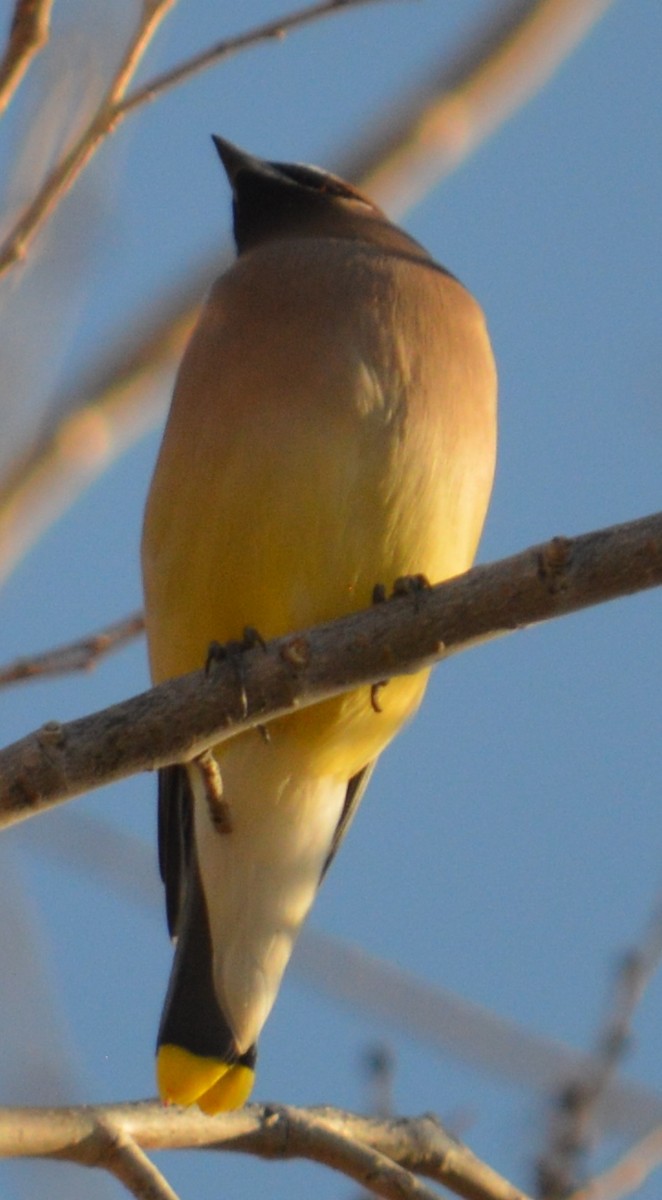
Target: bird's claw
[{"x": 232, "y": 651}]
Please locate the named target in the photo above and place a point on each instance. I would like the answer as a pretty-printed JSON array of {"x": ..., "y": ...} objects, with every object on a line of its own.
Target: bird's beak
[{"x": 235, "y": 160}]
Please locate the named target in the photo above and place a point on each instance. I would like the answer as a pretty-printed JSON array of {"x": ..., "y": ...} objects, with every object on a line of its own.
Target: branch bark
[
  {"x": 121, "y": 1156},
  {"x": 383, "y": 1155},
  {"x": 180, "y": 719}
]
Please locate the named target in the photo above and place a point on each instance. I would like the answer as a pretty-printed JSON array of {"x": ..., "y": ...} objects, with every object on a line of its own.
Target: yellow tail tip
[
  {"x": 215, "y": 1086},
  {"x": 231, "y": 1091}
]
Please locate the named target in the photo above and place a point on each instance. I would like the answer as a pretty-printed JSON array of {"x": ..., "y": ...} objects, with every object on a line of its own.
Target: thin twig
[
  {"x": 115, "y": 107},
  {"x": 46, "y": 481},
  {"x": 378, "y": 1070},
  {"x": 627, "y": 1174},
  {"x": 180, "y": 719},
  {"x": 83, "y": 654},
  {"x": 152, "y": 14},
  {"x": 270, "y": 31},
  {"x": 69, "y": 167},
  {"x": 28, "y": 34},
  {"x": 574, "y": 1116},
  {"x": 436, "y": 1017}
]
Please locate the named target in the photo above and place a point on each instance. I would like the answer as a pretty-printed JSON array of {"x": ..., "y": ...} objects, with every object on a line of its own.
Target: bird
[{"x": 332, "y": 428}]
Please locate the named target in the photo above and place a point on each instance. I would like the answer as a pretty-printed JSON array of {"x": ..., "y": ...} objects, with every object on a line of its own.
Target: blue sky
[{"x": 510, "y": 845}]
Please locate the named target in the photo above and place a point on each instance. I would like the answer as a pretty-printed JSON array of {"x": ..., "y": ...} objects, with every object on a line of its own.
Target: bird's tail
[
  {"x": 198, "y": 1061},
  {"x": 236, "y": 901}
]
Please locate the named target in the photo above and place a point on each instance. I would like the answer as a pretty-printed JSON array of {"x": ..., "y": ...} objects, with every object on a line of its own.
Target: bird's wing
[
  {"x": 355, "y": 789},
  {"x": 175, "y": 832},
  {"x": 175, "y": 821}
]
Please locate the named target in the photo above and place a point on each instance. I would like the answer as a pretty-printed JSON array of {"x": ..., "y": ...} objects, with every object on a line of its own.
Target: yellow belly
[{"x": 264, "y": 565}]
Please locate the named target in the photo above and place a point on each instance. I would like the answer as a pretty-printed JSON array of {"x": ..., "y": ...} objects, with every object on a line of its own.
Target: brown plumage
[{"x": 333, "y": 426}]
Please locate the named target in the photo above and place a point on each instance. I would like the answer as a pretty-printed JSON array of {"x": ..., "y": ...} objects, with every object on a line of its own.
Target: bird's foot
[
  {"x": 405, "y": 585},
  {"x": 223, "y": 652},
  {"x": 219, "y": 809}
]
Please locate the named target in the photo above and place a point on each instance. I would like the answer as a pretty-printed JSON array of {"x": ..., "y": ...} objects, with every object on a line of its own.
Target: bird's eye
[{"x": 318, "y": 181}]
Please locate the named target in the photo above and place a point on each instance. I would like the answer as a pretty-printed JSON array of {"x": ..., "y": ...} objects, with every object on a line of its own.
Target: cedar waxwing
[{"x": 332, "y": 428}]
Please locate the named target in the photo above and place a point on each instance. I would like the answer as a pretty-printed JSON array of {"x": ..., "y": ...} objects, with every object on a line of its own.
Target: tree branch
[
  {"x": 382, "y": 1155},
  {"x": 503, "y": 63},
  {"x": 81, "y": 655},
  {"x": 575, "y": 1103},
  {"x": 120, "y": 1155},
  {"x": 439, "y": 124},
  {"x": 269, "y": 31},
  {"x": 114, "y": 107},
  {"x": 180, "y": 719},
  {"x": 627, "y": 1174},
  {"x": 69, "y": 167},
  {"x": 28, "y": 35},
  {"x": 47, "y": 480}
]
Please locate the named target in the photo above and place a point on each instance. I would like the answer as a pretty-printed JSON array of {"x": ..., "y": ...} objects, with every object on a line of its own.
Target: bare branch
[
  {"x": 180, "y": 719},
  {"x": 271, "y": 31},
  {"x": 45, "y": 483},
  {"x": 123, "y": 1158},
  {"x": 384, "y": 1156},
  {"x": 69, "y": 167},
  {"x": 115, "y": 107},
  {"x": 310, "y": 1136},
  {"x": 28, "y": 35},
  {"x": 628, "y": 1174},
  {"x": 437, "y": 1017},
  {"x": 501, "y": 66},
  {"x": 385, "y": 164},
  {"x": 81, "y": 655},
  {"x": 575, "y": 1106}
]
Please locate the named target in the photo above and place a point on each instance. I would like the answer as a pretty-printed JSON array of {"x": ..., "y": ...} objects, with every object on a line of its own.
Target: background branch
[
  {"x": 94, "y": 850},
  {"x": 114, "y": 107},
  {"x": 83, "y": 654},
  {"x": 269, "y": 31},
  {"x": 508, "y": 58},
  {"x": 627, "y": 1174},
  {"x": 180, "y": 719},
  {"x": 28, "y": 35},
  {"x": 425, "y": 136},
  {"x": 68, "y": 168},
  {"x": 574, "y": 1115}
]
